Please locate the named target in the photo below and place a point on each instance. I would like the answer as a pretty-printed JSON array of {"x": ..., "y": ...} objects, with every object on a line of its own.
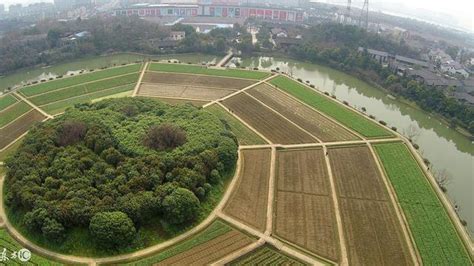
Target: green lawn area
[
  {"x": 79, "y": 90},
  {"x": 342, "y": 114},
  {"x": 79, "y": 79},
  {"x": 217, "y": 228},
  {"x": 13, "y": 113},
  {"x": 435, "y": 236},
  {"x": 11, "y": 245},
  {"x": 6, "y": 101},
  {"x": 193, "y": 69},
  {"x": 266, "y": 255},
  {"x": 60, "y": 106},
  {"x": 244, "y": 135}
]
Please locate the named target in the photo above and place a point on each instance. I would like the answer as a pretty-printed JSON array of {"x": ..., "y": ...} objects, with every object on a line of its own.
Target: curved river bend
[{"x": 445, "y": 148}]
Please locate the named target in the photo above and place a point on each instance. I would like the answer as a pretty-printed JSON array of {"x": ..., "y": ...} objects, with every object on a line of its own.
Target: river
[{"x": 446, "y": 149}]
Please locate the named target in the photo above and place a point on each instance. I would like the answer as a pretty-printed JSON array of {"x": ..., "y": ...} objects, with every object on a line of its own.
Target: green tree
[
  {"x": 180, "y": 206},
  {"x": 112, "y": 229}
]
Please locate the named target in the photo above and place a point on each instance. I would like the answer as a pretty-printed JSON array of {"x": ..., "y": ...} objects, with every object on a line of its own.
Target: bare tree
[
  {"x": 443, "y": 178},
  {"x": 412, "y": 132}
]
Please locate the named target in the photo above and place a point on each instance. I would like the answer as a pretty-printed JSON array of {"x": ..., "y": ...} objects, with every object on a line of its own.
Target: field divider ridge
[
  {"x": 271, "y": 192},
  {"x": 189, "y": 85},
  {"x": 81, "y": 84},
  {"x": 244, "y": 123},
  {"x": 18, "y": 138},
  {"x": 409, "y": 239},
  {"x": 33, "y": 105},
  {"x": 139, "y": 82},
  {"x": 10, "y": 106},
  {"x": 357, "y": 134},
  {"x": 200, "y": 75},
  {"x": 176, "y": 98},
  {"x": 285, "y": 118},
  {"x": 239, "y": 91},
  {"x": 337, "y": 211},
  {"x": 13, "y": 121},
  {"x": 239, "y": 253}
]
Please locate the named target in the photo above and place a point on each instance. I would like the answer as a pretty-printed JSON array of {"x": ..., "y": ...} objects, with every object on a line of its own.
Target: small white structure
[
  {"x": 177, "y": 35},
  {"x": 454, "y": 68}
]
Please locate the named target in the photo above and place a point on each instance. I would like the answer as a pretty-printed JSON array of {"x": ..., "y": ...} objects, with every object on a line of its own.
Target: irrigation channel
[{"x": 444, "y": 147}]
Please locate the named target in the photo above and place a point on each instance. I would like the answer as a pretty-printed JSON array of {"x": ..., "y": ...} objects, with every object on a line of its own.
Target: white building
[{"x": 454, "y": 68}]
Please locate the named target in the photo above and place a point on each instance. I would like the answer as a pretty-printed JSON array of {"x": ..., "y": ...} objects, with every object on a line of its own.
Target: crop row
[
  {"x": 13, "y": 113},
  {"x": 83, "y": 89},
  {"x": 342, "y": 114},
  {"x": 60, "y": 106},
  {"x": 193, "y": 69},
  {"x": 76, "y": 80},
  {"x": 266, "y": 256},
  {"x": 435, "y": 236},
  {"x": 216, "y": 229},
  {"x": 6, "y": 101}
]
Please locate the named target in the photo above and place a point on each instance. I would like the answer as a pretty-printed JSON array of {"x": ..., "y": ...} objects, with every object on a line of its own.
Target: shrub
[
  {"x": 255, "y": 68},
  {"x": 371, "y": 116},
  {"x": 300, "y": 80},
  {"x": 416, "y": 146},
  {"x": 112, "y": 229},
  {"x": 345, "y": 102},
  {"x": 426, "y": 161},
  {"x": 383, "y": 122},
  {"x": 394, "y": 128},
  {"x": 307, "y": 81},
  {"x": 164, "y": 137},
  {"x": 363, "y": 109},
  {"x": 327, "y": 93},
  {"x": 312, "y": 86},
  {"x": 333, "y": 96}
]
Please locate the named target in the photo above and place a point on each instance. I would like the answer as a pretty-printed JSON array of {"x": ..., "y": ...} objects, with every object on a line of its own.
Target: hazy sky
[{"x": 461, "y": 10}]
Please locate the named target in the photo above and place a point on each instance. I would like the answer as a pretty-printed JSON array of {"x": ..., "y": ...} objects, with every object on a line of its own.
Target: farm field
[
  {"x": 266, "y": 255},
  {"x": 196, "y": 80},
  {"x": 373, "y": 232},
  {"x": 271, "y": 125},
  {"x": 79, "y": 79},
  {"x": 15, "y": 129},
  {"x": 194, "y": 69},
  {"x": 59, "y": 106},
  {"x": 304, "y": 208},
  {"x": 80, "y": 90},
  {"x": 207, "y": 246},
  {"x": 177, "y": 101},
  {"x": 180, "y": 91},
  {"x": 248, "y": 202},
  {"x": 435, "y": 236},
  {"x": 357, "y": 122},
  {"x": 244, "y": 135},
  {"x": 6, "y": 101},
  {"x": 305, "y": 117},
  {"x": 11, "y": 245},
  {"x": 13, "y": 112}
]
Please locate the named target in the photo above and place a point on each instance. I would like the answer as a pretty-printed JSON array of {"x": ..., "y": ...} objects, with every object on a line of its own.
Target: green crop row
[
  {"x": 244, "y": 135},
  {"x": 83, "y": 89},
  {"x": 435, "y": 235},
  {"x": 216, "y": 229},
  {"x": 193, "y": 69},
  {"x": 10, "y": 246},
  {"x": 79, "y": 79},
  {"x": 266, "y": 256},
  {"x": 60, "y": 106},
  {"x": 6, "y": 101},
  {"x": 329, "y": 107},
  {"x": 13, "y": 113}
]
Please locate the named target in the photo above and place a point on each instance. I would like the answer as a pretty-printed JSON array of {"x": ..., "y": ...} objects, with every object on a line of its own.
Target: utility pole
[{"x": 364, "y": 16}]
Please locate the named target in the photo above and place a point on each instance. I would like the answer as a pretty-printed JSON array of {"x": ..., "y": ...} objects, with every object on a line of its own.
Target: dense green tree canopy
[
  {"x": 112, "y": 229},
  {"x": 95, "y": 159}
]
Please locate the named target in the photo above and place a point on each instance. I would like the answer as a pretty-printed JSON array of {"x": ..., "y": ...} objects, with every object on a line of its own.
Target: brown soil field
[
  {"x": 177, "y": 101},
  {"x": 210, "y": 251},
  {"x": 271, "y": 125},
  {"x": 15, "y": 129},
  {"x": 302, "y": 115},
  {"x": 356, "y": 173},
  {"x": 304, "y": 208},
  {"x": 373, "y": 233},
  {"x": 372, "y": 230},
  {"x": 249, "y": 199},
  {"x": 166, "y": 90},
  {"x": 196, "y": 80}
]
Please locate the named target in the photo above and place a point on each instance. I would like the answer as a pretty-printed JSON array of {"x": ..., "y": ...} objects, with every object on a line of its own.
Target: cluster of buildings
[
  {"x": 43, "y": 9},
  {"x": 212, "y": 8}
]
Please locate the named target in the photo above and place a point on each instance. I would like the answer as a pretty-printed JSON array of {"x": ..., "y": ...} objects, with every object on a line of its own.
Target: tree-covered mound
[{"x": 112, "y": 166}]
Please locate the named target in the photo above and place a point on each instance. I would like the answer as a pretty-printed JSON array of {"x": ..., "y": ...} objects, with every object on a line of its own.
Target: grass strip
[{"x": 193, "y": 69}]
